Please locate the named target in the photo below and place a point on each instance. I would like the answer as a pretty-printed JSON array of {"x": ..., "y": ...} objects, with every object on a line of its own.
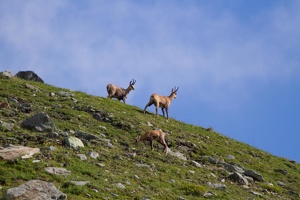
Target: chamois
[
  {"x": 162, "y": 101},
  {"x": 4, "y": 104},
  {"x": 118, "y": 92},
  {"x": 157, "y": 135}
]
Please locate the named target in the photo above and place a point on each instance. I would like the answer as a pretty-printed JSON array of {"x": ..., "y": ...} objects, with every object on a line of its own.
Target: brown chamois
[
  {"x": 162, "y": 101},
  {"x": 157, "y": 135},
  {"x": 118, "y": 92},
  {"x": 4, "y": 104}
]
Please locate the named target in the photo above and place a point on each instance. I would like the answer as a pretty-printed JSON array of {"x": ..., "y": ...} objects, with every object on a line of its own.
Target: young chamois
[
  {"x": 118, "y": 92},
  {"x": 4, "y": 104},
  {"x": 162, "y": 101},
  {"x": 157, "y": 135}
]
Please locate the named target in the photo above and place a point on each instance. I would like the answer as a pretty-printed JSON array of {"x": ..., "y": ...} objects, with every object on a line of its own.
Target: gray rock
[
  {"x": 65, "y": 94},
  {"x": 100, "y": 164},
  {"x": 35, "y": 189},
  {"x": 217, "y": 186},
  {"x": 93, "y": 154},
  {"x": 99, "y": 116},
  {"x": 7, "y": 74},
  {"x": 143, "y": 165},
  {"x": 120, "y": 185},
  {"x": 233, "y": 168},
  {"x": 209, "y": 194},
  {"x": 53, "y": 135},
  {"x": 57, "y": 171},
  {"x": 282, "y": 184},
  {"x": 256, "y": 176},
  {"x": 85, "y": 136},
  {"x": 40, "y": 122},
  {"x": 210, "y": 159},
  {"x": 237, "y": 177},
  {"x": 80, "y": 183},
  {"x": 29, "y": 75},
  {"x": 177, "y": 154},
  {"x": 196, "y": 164},
  {"x": 256, "y": 193},
  {"x": 82, "y": 156},
  {"x": 73, "y": 142},
  {"x": 14, "y": 152},
  {"x": 6, "y": 126},
  {"x": 110, "y": 145},
  {"x": 231, "y": 157}
]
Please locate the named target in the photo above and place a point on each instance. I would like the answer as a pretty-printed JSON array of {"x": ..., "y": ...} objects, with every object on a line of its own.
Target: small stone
[
  {"x": 82, "y": 156},
  {"x": 120, "y": 185},
  {"x": 101, "y": 164},
  {"x": 196, "y": 164},
  {"x": 217, "y": 186},
  {"x": 80, "y": 183},
  {"x": 231, "y": 157},
  {"x": 57, "y": 170},
  {"x": 93, "y": 154}
]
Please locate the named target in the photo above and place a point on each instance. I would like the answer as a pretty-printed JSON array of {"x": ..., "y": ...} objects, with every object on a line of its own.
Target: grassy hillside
[{"x": 144, "y": 174}]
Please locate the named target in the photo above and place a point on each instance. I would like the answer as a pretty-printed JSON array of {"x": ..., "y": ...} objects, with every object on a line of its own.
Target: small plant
[
  {"x": 271, "y": 188},
  {"x": 194, "y": 190}
]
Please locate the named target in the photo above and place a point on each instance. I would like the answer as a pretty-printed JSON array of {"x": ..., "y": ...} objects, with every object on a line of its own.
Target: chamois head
[
  {"x": 174, "y": 92},
  {"x": 131, "y": 84}
]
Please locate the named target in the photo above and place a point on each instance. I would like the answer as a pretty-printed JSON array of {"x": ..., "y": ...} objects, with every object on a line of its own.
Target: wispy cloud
[{"x": 155, "y": 42}]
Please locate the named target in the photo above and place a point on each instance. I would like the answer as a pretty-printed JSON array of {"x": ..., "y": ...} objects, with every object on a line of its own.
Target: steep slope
[{"x": 201, "y": 163}]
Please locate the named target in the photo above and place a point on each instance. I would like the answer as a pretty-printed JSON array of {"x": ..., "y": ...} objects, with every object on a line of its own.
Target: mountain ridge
[{"x": 201, "y": 163}]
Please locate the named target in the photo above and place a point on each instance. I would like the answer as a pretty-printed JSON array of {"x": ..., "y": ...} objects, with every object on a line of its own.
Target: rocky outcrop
[
  {"x": 29, "y": 75},
  {"x": 34, "y": 189}
]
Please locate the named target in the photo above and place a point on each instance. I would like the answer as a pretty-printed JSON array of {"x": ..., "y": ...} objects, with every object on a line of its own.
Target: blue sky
[{"x": 236, "y": 62}]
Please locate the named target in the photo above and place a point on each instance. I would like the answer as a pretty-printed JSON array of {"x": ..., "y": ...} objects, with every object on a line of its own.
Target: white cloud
[{"x": 157, "y": 44}]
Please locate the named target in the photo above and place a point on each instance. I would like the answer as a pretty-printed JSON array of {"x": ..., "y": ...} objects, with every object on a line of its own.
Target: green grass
[{"x": 165, "y": 177}]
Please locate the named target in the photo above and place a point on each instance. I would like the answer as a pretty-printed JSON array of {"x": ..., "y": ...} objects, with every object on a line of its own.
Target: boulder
[
  {"x": 29, "y": 75},
  {"x": 14, "y": 152},
  {"x": 256, "y": 176},
  {"x": 73, "y": 142},
  {"x": 233, "y": 168},
  {"x": 35, "y": 189},
  {"x": 6, "y": 74},
  {"x": 237, "y": 177},
  {"x": 86, "y": 136},
  {"x": 40, "y": 122}
]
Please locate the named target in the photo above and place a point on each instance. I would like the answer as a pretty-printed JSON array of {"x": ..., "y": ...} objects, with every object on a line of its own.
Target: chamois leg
[
  {"x": 147, "y": 105},
  {"x": 156, "y": 110},
  {"x": 163, "y": 142},
  {"x": 167, "y": 111},
  {"x": 151, "y": 144},
  {"x": 163, "y": 111}
]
